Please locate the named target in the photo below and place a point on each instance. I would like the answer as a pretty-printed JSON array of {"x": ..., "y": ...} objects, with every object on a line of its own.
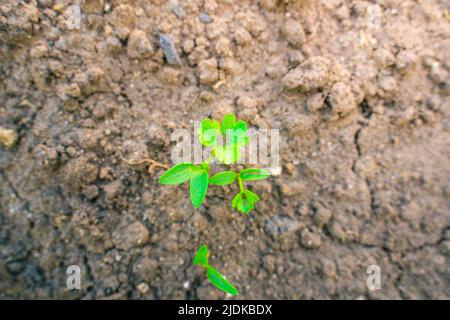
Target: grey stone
[
  {"x": 205, "y": 18},
  {"x": 178, "y": 11},
  {"x": 168, "y": 47},
  {"x": 279, "y": 225}
]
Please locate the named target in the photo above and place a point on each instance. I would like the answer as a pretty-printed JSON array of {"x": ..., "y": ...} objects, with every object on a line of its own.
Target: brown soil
[{"x": 364, "y": 115}]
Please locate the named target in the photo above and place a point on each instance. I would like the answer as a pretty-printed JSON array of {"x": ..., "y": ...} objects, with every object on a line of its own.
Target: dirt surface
[{"x": 364, "y": 114}]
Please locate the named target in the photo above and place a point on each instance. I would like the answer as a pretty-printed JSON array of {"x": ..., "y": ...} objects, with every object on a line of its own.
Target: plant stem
[
  {"x": 207, "y": 161},
  {"x": 241, "y": 185},
  {"x": 211, "y": 157}
]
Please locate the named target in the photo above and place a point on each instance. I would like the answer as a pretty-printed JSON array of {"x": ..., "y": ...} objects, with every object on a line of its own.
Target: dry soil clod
[{"x": 311, "y": 74}]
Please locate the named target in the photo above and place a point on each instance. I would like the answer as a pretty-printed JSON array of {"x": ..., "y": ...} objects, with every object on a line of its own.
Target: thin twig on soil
[
  {"x": 217, "y": 85},
  {"x": 153, "y": 163}
]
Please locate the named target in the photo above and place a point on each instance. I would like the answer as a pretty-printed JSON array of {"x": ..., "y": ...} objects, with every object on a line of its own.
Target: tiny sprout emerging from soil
[
  {"x": 216, "y": 278},
  {"x": 211, "y": 132}
]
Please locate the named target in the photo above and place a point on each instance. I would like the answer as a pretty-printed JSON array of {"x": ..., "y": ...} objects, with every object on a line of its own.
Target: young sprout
[
  {"x": 211, "y": 132},
  {"x": 216, "y": 278}
]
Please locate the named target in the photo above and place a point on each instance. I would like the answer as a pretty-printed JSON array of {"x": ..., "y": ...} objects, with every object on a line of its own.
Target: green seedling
[
  {"x": 216, "y": 278},
  {"x": 211, "y": 133}
]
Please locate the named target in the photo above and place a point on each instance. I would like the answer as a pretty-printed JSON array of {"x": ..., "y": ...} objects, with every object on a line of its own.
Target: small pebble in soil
[
  {"x": 8, "y": 137},
  {"x": 168, "y": 47},
  {"x": 178, "y": 10},
  {"x": 205, "y": 18},
  {"x": 279, "y": 225},
  {"x": 310, "y": 240},
  {"x": 143, "y": 287},
  {"x": 275, "y": 171}
]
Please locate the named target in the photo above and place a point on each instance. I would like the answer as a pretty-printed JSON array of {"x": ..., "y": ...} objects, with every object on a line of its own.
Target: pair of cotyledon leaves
[
  {"x": 216, "y": 278},
  {"x": 197, "y": 176},
  {"x": 199, "y": 180},
  {"x": 226, "y": 139}
]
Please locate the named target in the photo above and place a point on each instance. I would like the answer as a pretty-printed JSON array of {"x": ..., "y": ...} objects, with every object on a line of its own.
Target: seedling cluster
[{"x": 211, "y": 133}]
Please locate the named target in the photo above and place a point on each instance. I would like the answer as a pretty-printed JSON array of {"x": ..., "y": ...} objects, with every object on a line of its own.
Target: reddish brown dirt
[{"x": 364, "y": 115}]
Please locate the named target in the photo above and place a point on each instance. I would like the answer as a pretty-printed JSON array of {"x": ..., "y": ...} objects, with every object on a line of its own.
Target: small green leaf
[
  {"x": 240, "y": 133},
  {"x": 208, "y": 132},
  {"x": 244, "y": 202},
  {"x": 220, "y": 281},
  {"x": 251, "y": 196},
  {"x": 228, "y": 123},
  {"x": 254, "y": 174},
  {"x": 201, "y": 257},
  {"x": 236, "y": 199},
  {"x": 223, "y": 178},
  {"x": 177, "y": 174},
  {"x": 235, "y": 132},
  {"x": 198, "y": 186},
  {"x": 237, "y": 135},
  {"x": 228, "y": 154},
  {"x": 241, "y": 126},
  {"x": 245, "y": 206}
]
